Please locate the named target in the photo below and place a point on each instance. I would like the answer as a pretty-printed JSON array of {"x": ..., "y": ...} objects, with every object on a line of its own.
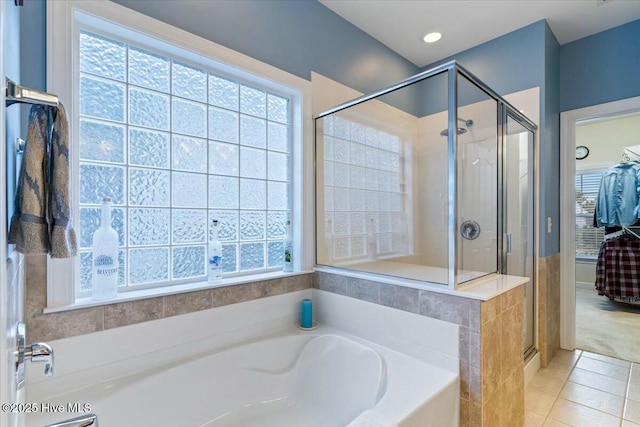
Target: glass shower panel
[
  {"x": 518, "y": 211},
  {"x": 477, "y": 183},
  {"x": 381, "y": 166}
]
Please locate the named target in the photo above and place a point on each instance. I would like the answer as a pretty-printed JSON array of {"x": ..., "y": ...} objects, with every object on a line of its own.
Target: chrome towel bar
[{"x": 20, "y": 94}]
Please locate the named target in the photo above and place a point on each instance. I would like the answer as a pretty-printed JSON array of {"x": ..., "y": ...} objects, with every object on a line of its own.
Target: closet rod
[{"x": 17, "y": 93}]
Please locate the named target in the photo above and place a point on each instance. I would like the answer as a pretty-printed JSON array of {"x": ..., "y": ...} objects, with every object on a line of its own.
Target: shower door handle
[{"x": 507, "y": 237}]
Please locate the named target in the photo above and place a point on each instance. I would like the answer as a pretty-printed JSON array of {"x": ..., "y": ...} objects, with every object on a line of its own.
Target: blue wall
[
  {"x": 509, "y": 63},
  {"x": 296, "y": 36},
  {"x": 600, "y": 68},
  {"x": 549, "y": 165}
]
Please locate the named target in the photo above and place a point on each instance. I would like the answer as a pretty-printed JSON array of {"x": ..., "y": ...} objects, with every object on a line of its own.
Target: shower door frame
[
  {"x": 507, "y": 112},
  {"x": 504, "y": 111},
  {"x": 454, "y": 70}
]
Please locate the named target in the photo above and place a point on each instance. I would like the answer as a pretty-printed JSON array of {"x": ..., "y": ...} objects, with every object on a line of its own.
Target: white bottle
[
  {"x": 105, "y": 257},
  {"x": 288, "y": 249},
  {"x": 371, "y": 239},
  {"x": 214, "y": 256}
]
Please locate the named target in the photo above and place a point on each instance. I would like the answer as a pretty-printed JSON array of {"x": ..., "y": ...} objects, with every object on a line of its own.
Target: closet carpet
[{"x": 607, "y": 327}]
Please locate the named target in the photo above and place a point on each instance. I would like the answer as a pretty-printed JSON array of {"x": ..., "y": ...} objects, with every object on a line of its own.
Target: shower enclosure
[{"x": 430, "y": 180}]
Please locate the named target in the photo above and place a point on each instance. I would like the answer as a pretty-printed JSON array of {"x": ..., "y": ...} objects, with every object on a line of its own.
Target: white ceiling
[{"x": 401, "y": 24}]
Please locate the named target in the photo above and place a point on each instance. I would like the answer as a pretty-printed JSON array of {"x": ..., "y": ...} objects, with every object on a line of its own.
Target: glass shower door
[
  {"x": 477, "y": 183},
  {"x": 518, "y": 215}
]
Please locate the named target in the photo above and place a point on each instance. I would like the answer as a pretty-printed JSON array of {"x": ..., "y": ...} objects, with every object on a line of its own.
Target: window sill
[
  {"x": 587, "y": 259},
  {"x": 171, "y": 290}
]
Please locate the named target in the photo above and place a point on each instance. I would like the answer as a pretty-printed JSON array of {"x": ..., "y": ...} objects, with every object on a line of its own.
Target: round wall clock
[{"x": 581, "y": 152}]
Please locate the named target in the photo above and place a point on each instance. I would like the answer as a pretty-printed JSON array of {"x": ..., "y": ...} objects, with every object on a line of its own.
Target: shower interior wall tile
[{"x": 66, "y": 324}]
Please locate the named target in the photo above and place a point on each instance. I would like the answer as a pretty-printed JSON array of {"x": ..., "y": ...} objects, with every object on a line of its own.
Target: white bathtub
[
  {"x": 322, "y": 378},
  {"x": 248, "y": 364}
]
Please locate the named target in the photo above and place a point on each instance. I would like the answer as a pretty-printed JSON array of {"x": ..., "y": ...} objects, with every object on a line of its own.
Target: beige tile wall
[
  {"x": 548, "y": 319},
  {"x": 45, "y": 327},
  {"x": 502, "y": 363}
]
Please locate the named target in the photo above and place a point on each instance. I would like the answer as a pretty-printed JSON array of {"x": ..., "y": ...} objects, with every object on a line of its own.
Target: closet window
[{"x": 588, "y": 238}]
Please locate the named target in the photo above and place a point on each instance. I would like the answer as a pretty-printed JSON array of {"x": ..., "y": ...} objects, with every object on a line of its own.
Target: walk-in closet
[{"x": 608, "y": 236}]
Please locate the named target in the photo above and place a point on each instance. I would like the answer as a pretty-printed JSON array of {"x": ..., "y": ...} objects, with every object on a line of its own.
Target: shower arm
[{"x": 466, "y": 122}]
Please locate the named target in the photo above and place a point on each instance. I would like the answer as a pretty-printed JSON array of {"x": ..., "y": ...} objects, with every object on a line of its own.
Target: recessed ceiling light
[{"x": 432, "y": 37}]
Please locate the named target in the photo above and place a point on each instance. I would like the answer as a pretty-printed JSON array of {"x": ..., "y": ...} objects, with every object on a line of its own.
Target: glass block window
[
  {"x": 588, "y": 238},
  {"x": 363, "y": 189},
  {"x": 175, "y": 146}
]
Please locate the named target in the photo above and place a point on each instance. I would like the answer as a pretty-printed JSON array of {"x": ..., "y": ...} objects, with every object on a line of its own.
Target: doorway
[{"x": 590, "y": 321}]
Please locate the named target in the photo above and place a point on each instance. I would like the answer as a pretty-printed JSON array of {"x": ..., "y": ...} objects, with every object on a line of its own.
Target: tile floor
[{"x": 583, "y": 389}]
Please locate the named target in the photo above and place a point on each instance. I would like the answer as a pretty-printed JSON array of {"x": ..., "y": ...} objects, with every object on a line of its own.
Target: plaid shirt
[{"x": 618, "y": 269}]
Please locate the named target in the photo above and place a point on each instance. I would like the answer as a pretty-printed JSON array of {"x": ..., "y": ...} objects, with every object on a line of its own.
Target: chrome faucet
[
  {"x": 40, "y": 352},
  {"x": 37, "y": 352}
]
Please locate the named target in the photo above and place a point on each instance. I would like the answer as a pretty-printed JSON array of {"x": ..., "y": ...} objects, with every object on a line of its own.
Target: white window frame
[
  {"x": 63, "y": 21},
  {"x": 598, "y": 168}
]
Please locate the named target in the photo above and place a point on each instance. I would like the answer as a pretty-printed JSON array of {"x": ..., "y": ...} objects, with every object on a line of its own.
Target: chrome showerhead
[{"x": 460, "y": 131}]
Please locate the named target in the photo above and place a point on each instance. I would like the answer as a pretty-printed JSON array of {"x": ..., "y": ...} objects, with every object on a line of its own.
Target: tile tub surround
[
  {"x": 65, "y": 324},
  {"x": 490, "y": 342}
]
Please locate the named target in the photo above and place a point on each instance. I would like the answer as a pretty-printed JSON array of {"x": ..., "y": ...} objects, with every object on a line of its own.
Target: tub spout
[
  {"x": 42, "y": 353},
  {"x": 88, "y": 420},
  {"x": 37, "y": 352}
]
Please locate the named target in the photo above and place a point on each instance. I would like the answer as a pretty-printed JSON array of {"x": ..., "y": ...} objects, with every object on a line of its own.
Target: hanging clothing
[
  {"x": 618, "y": 269},
  {"x": 618, "y": 202},
  {"x": 42, "y": 220}
]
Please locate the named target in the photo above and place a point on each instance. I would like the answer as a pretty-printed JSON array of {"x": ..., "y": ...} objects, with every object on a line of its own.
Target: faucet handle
[{"x": 41, "y": 353}]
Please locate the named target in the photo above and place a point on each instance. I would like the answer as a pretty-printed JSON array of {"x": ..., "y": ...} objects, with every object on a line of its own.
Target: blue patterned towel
[{"x": 42, "y": 222}]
